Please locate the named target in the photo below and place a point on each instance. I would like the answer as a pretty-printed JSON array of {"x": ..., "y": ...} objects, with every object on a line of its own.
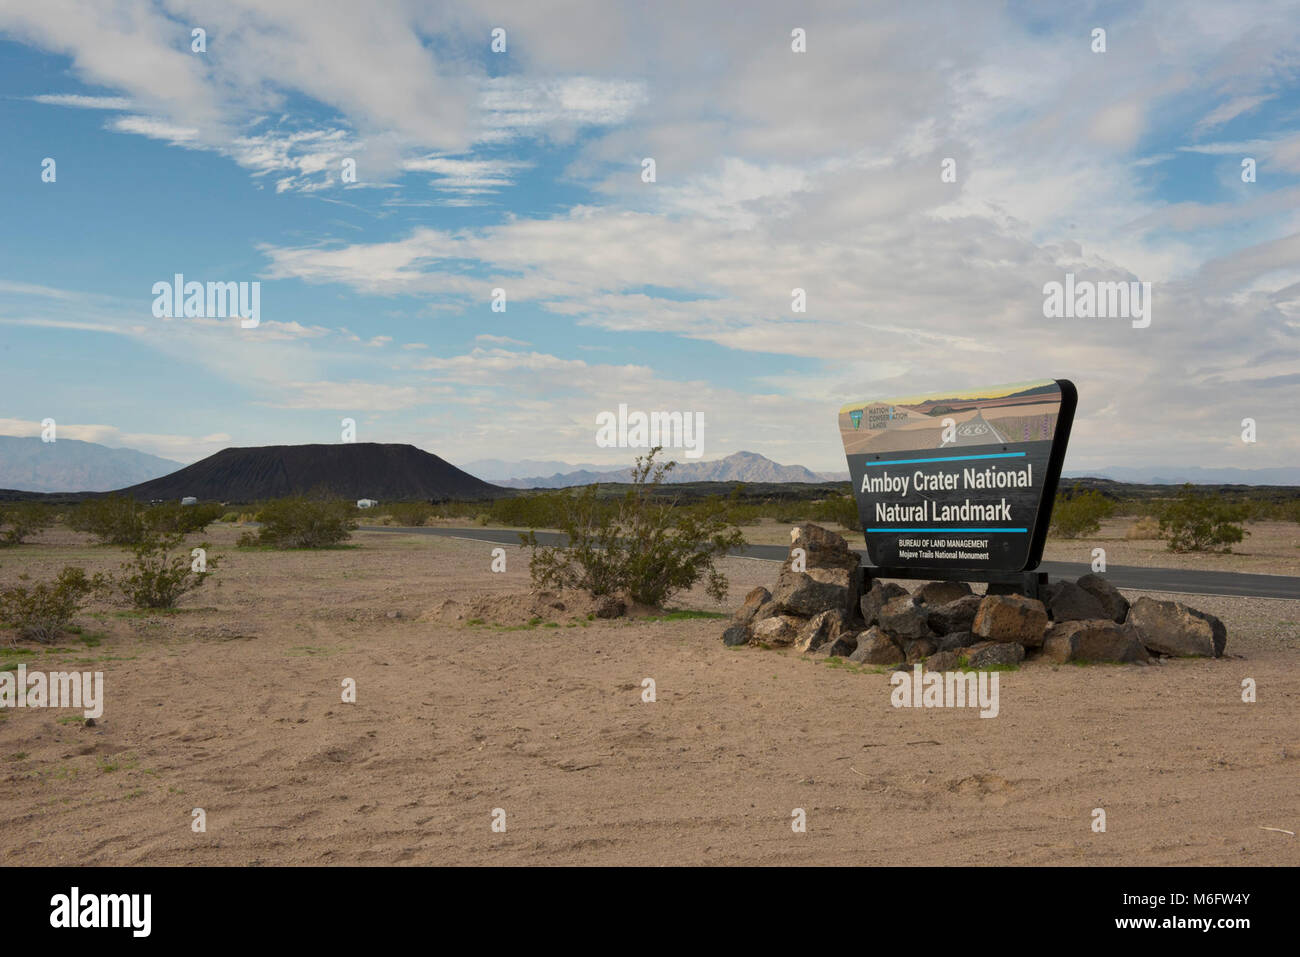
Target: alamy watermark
[
  {"x": 214, "y": 300},
  {"x": 1086, "y": 299},
  {"x": 57, "y": 689},
  {"x": 75, "y": 909},
  {"x": 945, "y": 689},
  {"x": 646, "y": 430}
]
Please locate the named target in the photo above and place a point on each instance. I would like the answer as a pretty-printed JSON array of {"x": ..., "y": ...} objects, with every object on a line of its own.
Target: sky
[{"x": 523, "y": 169}]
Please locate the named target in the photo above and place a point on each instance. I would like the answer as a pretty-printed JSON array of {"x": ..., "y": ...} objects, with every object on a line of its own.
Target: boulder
[
  {"x": 814, "y": 591},
  {"x": 956, "y": 615},
  {"x": 1099, "y": 639},
  {"x": 777, "y": 630},
  {"x": 1116, "y": 605},
  {"x": 822, "y": 549},
  {"x": 956, "y": 640},
  {"x": 1011, "y": 618},
  {"x": 876, "y": 648},
  {"x": 876, "y": 597},
  {"x": 991, "y": 653},
  {"x": 1004, "y": 588},
  {"x": 903, "y": 619},
  {"x": 736, "y": 635},
  {"x": 942, "y": 661},
  {"x": 941, "y": 593},
  {"x": 1172, "y": 628},
  {"x": 1066, "y": 601},
  {"x": 841, "y": 647},
  {"x": 819, "y": 630},
  {"x": 751, "y": 610},
  {"x": 918, "y": 649}
]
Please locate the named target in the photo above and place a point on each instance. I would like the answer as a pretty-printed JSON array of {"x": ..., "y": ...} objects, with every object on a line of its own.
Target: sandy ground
[{"x": 233, "y": 705}]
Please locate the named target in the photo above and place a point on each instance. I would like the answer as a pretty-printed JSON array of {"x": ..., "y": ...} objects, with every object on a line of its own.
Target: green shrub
[
  {"x": 155, "y": 578},
  {"x": 842, "y": 510},
  {"x": 173, "y": 518},
  {"x": 229, "y": 518},
  {"x": 1197, "y": 523},
  {"x": 1080, "y": 514},
  {"x": 303, "y": 523},
  {"x": 541, "y": 509},
  {"x": 44, "y": 611},
  {"x": 113, "y": 519},
  {"x": 642, "y": 547},
  {"x": 411, "y": 514},
  {"x": 21, "y": 520}
]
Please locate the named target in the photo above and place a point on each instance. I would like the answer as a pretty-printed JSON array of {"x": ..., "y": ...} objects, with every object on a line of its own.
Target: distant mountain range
[
  {"x": 497, "y": 470},
  {"x": 1197, "y": 475},
  {"x": 403, "y": 472},
  {"x": 737, "y": 467},
  {"x": 70, "y": 465}
]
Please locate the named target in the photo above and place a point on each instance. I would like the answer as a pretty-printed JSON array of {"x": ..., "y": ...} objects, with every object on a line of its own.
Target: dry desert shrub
[
  {"x": 1145, "y": 529},
  {"x": 43, "y": 611}
]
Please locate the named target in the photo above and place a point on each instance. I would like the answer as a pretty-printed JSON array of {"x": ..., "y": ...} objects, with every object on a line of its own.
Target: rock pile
[{"x": 819, "y": 605}]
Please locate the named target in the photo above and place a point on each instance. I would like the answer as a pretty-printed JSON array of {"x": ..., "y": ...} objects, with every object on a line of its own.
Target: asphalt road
[
  {"x": 978, "y": 431},
  {"x": 1186, "y": 581}
]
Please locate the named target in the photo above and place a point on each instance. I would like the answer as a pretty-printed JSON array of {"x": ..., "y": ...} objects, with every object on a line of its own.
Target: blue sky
[{"x": 522, "y": 170}]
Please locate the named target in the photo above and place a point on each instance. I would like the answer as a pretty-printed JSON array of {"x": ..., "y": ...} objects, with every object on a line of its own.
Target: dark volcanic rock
[
  {"x": 956, "y": 615},
  {"x": 942, "y": 661},
  {"x": 753, "y": 606},
  {"x": 1066, "y": 601},
  {"x": 876, "y": 648},
  {"x": 1097, "y": 640},
  {"x": 841, "y": 647},
  {"x": 1172, "y": 628},
  {"x": 1011, "y": 618},
  {"x": 956, "y": 640},
  {"x": 777, "y": 630},
  {"x": 820, "y": 630},
  {"x": 903, "y": 619},
  {"x": 814, "y": 591},
  {"x": 995, "y": 653},
  {"x": 822, "y": 549},
  {"x": 941, "y": 593},
  {"x": 918, "y": 649},
  {"x": 1116, "y": 604},
  {"x": 736, "y": 635},
  {"x": 877, "y": 596}
]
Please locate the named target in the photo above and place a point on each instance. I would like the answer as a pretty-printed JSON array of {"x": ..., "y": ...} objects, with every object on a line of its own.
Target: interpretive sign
[{"x": 959, "y": 480}]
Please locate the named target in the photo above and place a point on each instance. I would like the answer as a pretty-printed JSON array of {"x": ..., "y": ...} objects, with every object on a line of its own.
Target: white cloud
[
  {"x": 351, "y": 396},
  {"x": 81, "y": 102},
  {"x": 179, "y": 448},
  {"x": 776, "y": 170},
  {"x": 156, "y": 129},
  {"x": 1226, "y": 112}
]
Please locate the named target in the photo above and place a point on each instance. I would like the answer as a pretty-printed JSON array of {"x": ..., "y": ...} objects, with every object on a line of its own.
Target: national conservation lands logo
[{"x": 959, "y": 479}]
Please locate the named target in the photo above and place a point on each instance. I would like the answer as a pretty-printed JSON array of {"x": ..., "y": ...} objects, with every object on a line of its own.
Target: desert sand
[{"x": 233, "y": 704}]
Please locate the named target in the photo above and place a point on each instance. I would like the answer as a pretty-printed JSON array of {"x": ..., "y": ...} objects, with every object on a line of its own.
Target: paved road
[
  {"x": 1180, "y": 580},
  {"x": 978, "y": 431}
]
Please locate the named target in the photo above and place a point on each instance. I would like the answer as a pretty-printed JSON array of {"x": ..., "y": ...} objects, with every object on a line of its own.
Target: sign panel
[{"x": 959, "y": 480}]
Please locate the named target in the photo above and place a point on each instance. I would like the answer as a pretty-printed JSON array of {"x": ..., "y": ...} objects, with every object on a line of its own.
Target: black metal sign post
[{"x": 959, "y": 485}]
